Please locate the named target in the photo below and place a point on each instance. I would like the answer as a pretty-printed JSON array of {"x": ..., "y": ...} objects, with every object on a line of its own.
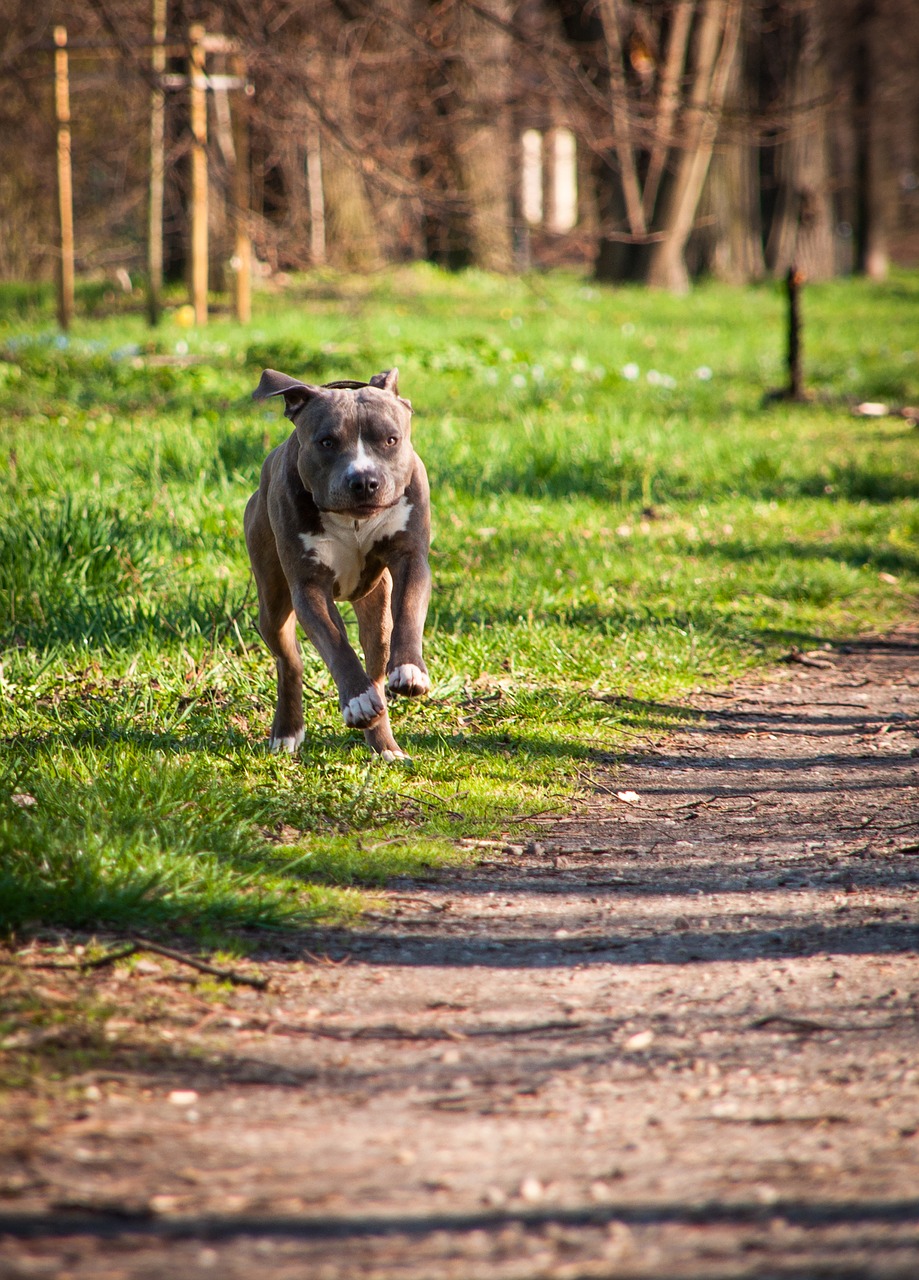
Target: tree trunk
[
  {"x": 730, "y": 246},
  {"x": 352, "y": 240},
  {"x": 647, "y": 206},
  {"x": 483, "y": 136},
  {"x": 801, "y": 233},
  {"x": 717, "y": 49},
  {"x": 872, "y": 165}
]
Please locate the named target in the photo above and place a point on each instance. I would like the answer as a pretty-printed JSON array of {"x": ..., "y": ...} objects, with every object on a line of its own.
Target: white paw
[
  {"x": 409, "y": 680},
  {"x": 288, "y": 744},
  {"x": 361, "y": 711},
  {"x": 395, "y": 757}
]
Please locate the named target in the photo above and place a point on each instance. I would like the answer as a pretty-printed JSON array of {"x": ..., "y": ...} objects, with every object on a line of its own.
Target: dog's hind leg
[{"x": 374, "y": 622}]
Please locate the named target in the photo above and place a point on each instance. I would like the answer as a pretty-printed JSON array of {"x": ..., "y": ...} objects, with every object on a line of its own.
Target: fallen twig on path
[
  {"x": 808, "y": 659},
  {"x": 202, "y": 966},
  {"x": 785, "y": 1022},
  {"x": 138, "y": 944},
  {"x": 789, "y": 1022},
  {"x": 625, "y": 798},
  {"x": 878, "y": 813},
  {"x": 110, "y": 957},
  {"x": 418, "y": 901}
]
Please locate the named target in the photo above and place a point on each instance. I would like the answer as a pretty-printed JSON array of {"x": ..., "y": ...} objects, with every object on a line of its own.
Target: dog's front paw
[
  {"x": 409, "y": 680},
  {"x": 362, "y": 711},
  {"x": 287, "y": 743}
]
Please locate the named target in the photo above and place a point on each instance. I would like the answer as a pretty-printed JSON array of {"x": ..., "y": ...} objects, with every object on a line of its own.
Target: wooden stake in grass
[
  {"x": 157, "y": 166},
  {"x": 794, "y": 280},
  {"x": 199, "y": 244},
  {"x": 242, "y": 256},
  {"x": 64, "y": 177},
  {"x": 316, "y": 202}
]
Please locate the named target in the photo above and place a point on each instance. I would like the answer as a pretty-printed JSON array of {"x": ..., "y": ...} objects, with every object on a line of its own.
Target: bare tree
[
  {"x": 716, "y": 49},
  {"x": 878, "y": 45},
  {"x": 482, "y": 129},
  {"x": 664, "y": 71},
  {"x": 728, "y": 239}
]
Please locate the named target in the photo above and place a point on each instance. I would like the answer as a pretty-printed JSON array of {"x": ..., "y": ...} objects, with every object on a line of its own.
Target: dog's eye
[
  {"x": 392, "y": 440},
  {"x": 326, "y": 442}
]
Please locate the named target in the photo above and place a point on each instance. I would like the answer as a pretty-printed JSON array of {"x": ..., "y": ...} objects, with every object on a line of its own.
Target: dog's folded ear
[
  {"x": 295, "y": 393},
  {"x": 388, "y": 380}
]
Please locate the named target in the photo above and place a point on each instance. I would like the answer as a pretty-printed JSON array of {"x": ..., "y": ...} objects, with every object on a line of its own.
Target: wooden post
[
  {"x": 157, "y": 166},
  {"x": 64, "y": 178},
  {"x": 242, "y": 254},
  {"x": 317, "y": 203},
  {"x": 794, "y": 280},
  {"x": 199, "y": 245}
]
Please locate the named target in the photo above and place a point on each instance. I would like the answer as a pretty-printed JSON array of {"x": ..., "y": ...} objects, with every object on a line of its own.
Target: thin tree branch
[{"x": 707, "y": 101}]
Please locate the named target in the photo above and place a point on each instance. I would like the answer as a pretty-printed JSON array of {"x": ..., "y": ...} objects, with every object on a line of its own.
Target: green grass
[{"x": 616, "y": 513}]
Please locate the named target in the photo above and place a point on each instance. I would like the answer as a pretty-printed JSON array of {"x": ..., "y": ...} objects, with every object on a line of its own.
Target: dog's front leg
[
  {"x": 406, "y": 672},
  {"x": 361, "y": 702},
  {"x": 374, "y": 620}
]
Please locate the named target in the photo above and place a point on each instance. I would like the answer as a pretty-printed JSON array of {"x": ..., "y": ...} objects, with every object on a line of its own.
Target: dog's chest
[{"x": 344, "y": 544}]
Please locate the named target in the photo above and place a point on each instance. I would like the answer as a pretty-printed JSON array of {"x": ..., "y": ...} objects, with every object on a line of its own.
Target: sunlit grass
[{"x": 619, "y": 518}]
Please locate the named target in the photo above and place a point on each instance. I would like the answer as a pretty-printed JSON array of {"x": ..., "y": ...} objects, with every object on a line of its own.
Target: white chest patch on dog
[{"x": 345, "y": 542}]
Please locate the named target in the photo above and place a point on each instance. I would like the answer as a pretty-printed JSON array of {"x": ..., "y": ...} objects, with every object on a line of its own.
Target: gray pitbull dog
[{"x": 342, "y": 512}]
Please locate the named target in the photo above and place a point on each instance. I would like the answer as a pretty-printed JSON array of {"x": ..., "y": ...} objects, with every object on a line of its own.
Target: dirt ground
[{"x": 674, "y": 1036}]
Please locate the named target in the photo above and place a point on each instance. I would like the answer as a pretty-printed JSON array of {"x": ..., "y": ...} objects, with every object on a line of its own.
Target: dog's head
[{"x": 356, "y": 455}]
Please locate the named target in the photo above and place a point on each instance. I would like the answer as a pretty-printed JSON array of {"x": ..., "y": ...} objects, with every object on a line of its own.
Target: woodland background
[{"x": 723, "y": 137}]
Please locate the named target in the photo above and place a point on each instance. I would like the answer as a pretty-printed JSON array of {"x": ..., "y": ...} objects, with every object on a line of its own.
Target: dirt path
[{"x": 678, "y": 1036}]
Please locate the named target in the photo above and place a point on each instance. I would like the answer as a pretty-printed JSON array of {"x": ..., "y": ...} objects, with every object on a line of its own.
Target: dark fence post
[{"x": 794, "y": 280}]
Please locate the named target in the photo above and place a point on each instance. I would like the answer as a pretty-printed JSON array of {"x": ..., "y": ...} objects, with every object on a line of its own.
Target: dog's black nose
[{"x": 364, "y": 486}]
